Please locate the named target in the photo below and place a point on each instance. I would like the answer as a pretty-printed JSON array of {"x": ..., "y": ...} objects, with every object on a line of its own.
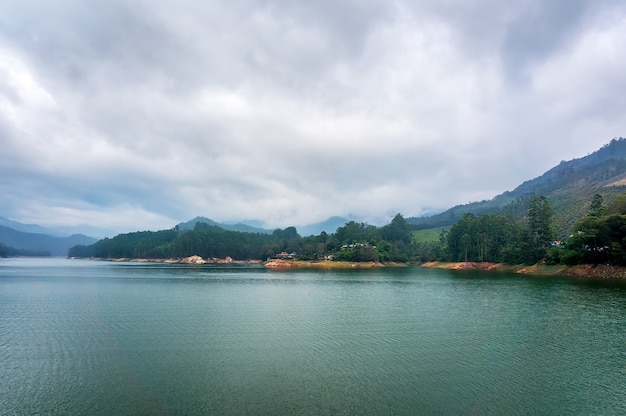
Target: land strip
[{"x": 582, "y": 271}]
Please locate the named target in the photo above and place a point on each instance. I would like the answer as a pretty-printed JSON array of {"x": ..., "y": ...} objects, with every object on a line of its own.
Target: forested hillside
[
  {"x": 352, "y": 242},
  {"x": 569, "y": 187}
]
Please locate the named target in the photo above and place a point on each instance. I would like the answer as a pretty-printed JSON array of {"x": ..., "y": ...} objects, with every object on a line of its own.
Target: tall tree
[
  {"x": 597, "y": 208},
  {"x": 397, "y": 230},
  {"x": 540, "y": 221}
]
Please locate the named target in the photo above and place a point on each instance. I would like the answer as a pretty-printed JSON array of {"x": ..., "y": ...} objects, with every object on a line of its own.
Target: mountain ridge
[
  {"x": 569, "y": 187},
  {"x": 40, "y": 243},
  {"x": 241, "y": 227},
  {"x": 330, "y": 225}
]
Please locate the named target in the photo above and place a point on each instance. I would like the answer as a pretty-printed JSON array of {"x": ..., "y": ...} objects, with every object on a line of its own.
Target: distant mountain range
[
  {"x": 245, "y": 228},
  {"x": 329, "y": 226},
  {"x": 37, "y": 240},
  {"x": 41, "y": 243},
  {"x": 25, "y": 228},
  {"x": 62, "y": 231},
  {"x": 569, "y": 187}
]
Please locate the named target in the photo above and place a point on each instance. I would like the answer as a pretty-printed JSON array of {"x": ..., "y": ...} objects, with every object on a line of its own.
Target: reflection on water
[{"x": 125, "y": 338}]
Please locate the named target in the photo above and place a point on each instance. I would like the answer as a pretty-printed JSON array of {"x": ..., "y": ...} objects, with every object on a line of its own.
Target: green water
[{"x": 96, "y": 338}]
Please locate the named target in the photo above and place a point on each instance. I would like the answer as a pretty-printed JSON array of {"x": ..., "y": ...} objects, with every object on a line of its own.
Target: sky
[{"x": 137, "y": 115}]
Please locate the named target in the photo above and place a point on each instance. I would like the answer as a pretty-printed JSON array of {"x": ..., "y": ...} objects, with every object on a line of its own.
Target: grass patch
[{"x": 428, "y": 235}]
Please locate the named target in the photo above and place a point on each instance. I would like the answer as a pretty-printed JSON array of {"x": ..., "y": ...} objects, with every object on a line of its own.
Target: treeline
[
  {"x": 352, "y": 242},
  {"x": 8, "y": 251},
  {"x": 598, "y": 237},
  {"x": 495, "y": 238}
]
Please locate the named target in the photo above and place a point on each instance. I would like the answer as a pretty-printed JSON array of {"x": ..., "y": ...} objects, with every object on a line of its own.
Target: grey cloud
[
  {"x": 295, "y": 111},
  {"x": 537, "y": 32}
]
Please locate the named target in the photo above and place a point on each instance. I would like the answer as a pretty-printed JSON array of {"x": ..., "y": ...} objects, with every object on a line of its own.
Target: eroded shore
[
  {"x": 582, "y": 271},
  {"x": 324, "y": 264}
]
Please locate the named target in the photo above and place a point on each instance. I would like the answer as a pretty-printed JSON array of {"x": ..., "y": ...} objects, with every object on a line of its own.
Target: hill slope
[
  {"x": 568, "y": 186},
  {"x": 34, "y": 242}
]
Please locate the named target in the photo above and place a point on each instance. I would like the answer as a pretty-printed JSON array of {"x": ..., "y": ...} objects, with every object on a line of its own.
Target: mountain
[
  {"x": 329, "y": 226},
  {"x": 25, "y": 228},
  {"x": 569, "y": 187},
  {"x": 60, "y": 231},
  {"x": 41, "y": 243},
  {"x": 244, "y": 228},
  {"x": 85, "y": 229}
]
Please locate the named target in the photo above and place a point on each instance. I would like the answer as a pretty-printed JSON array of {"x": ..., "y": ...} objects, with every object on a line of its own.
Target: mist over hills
[
  {"x": 36, "y": 240},
  {"x": 244, "y": 228},
  {"x": 328, "y": 226},
  {"x": 569, "y": 188},
  {"x": 60, "y": 231},
  {"x": 26, "y": 228},
  {"x": 41, "y": 244}
]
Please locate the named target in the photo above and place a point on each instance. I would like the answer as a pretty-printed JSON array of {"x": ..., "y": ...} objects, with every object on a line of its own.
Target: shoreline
[
  {"x": 582, "y": 271},
  {"x": 328, "y": 264},
  {"x": 579, "y": 271},
  {"x": 186, "y": 260}
]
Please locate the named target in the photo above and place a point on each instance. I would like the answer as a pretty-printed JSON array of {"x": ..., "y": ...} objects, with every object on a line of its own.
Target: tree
[
  {"x": 354, "y": 232},
  {"x": 540, "y": 221},
  {"x": 597, "y": 208},
  {"x": 617, "y": 205},
  {"x": 397, "y": 230},
  {"x": 483, "y": 238}
]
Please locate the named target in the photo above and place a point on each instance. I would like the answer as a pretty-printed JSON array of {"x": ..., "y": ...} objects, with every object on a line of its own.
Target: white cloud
[{"x": 292, "y": 112}]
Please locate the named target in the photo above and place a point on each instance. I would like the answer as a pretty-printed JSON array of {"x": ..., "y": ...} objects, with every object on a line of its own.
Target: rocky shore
[
  {"x": 184, "y": 260},
  {"x": 582, "y": 271},
  {"x": 321, "y": 264}
]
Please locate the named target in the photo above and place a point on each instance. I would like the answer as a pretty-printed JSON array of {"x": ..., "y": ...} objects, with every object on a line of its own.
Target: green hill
[{"x": 568, "y": 186}]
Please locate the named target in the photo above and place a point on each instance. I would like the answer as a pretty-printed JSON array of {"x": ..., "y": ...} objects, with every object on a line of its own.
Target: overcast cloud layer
[{"x": 140, "y": 114}]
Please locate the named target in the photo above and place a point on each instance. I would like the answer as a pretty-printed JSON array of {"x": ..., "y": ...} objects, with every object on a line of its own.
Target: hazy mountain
[
  {"x": 60, "y": 231},
  {"x": 190, "y": 225},
  {"x": 329, "y": 226},
  {"x": 26, "y": 228},
  {"x": 568, "y": 186},
  {"x": 85, "y": 229},
  {"x": 35, "y": 242}
]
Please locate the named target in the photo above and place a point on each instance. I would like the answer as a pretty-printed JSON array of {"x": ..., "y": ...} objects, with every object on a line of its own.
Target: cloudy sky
[{"x": 137, "y": 114}]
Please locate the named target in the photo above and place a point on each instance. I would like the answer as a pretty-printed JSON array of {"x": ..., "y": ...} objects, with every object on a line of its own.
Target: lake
[{"x": 100, "y": 338}]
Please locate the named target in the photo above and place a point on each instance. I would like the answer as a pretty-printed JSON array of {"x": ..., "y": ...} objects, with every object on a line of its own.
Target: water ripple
[{"x": 105, "y": 339}]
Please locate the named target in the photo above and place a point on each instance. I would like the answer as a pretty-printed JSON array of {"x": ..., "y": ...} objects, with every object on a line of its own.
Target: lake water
[{"x": 98, "y": 338}]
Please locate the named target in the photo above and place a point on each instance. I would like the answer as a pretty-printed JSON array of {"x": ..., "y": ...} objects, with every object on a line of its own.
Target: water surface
[{"x": 81, "y": 337}]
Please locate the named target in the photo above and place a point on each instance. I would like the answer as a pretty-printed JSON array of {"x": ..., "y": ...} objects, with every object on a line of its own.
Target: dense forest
[
  {"x": 352, "y": 242},
  {"x": 597, "y": 237}
]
